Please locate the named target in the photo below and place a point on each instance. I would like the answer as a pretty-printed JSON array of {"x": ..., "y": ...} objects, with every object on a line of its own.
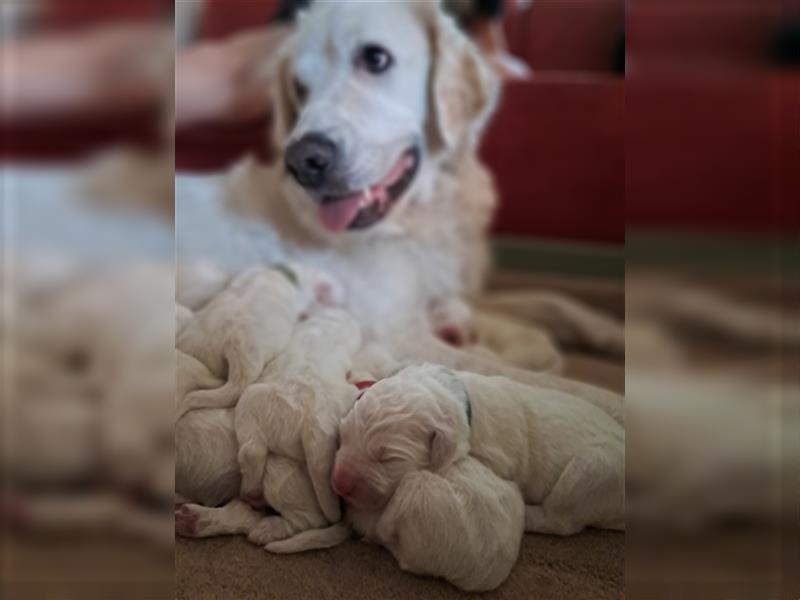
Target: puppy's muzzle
[{"x": 343, "y": 481}]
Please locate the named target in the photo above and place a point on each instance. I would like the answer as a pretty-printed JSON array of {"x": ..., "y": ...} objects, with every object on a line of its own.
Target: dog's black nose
[{"x": 310, "y": 158}]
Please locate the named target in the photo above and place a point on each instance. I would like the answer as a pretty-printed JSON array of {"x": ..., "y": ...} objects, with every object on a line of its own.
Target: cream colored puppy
[
  {"x": 246, "y": 326},
  {"x": 566, "y": 455},
  {"x": 206, "y": 470},
  {"x": 464, "y": 524},
  {"x": 286, "y": 425}
]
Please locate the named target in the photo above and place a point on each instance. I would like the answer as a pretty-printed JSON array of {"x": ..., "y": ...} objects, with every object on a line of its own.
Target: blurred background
[
  {"x": 712, "y": 149},
  {"x": 87, "y": 283}
]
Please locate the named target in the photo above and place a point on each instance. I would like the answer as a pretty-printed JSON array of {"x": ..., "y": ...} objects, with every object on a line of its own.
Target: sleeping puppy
[
  {"x": 286, "y": 426},
  {"x": 247, "y": 325},
  {"x": 566, "y": 455},
  {"x": 206, "y": 470},
  {"x": 464, "y": 524}
]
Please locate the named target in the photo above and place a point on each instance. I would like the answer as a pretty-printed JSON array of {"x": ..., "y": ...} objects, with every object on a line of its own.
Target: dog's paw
[
  {"x": 270, "y": 529},
  {"x": 186, "y": 518}
]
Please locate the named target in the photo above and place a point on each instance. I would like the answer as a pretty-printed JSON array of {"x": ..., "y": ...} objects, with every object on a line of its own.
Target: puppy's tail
[{"x": 313, "y": 539}]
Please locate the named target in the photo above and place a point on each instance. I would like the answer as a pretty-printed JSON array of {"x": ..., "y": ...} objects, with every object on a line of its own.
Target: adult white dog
[
  {"x": 379, "y": 107},
  {"x": 567, "y": 457}
]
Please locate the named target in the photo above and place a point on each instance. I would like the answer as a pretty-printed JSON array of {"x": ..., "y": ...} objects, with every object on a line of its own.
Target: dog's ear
[
  {"x": 462, "y": 90},
  {"x": 447, "y": 437},
  {"x": 285, "y": 101}
]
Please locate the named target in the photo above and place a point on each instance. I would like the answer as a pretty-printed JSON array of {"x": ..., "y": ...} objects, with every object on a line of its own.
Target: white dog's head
[
  {"x": 416, "y": 419},
  {"x": 368, "y": 96}
]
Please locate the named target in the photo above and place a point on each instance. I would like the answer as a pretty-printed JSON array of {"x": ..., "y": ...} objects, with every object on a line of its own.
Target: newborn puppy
[
  {"x": 286, "y": 426},
  {"x": 566, "y": 455},
  {"x": 206, "y": 470},
  {"x": 246, "y": 326},
  {"x": 464, "y": 524}
]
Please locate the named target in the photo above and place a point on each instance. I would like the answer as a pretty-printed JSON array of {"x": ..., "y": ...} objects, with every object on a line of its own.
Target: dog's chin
[{"x": 364, "y": 210}]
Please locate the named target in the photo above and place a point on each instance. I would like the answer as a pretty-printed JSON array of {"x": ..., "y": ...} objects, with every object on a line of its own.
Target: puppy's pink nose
[{"x": 343, "y": 481}]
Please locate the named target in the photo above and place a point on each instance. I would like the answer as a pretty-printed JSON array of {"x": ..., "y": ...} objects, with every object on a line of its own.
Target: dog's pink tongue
[{"x": 336, "y": 216}]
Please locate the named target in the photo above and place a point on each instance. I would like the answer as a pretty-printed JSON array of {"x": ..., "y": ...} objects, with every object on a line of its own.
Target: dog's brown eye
[{"x": 375, "y": 59}]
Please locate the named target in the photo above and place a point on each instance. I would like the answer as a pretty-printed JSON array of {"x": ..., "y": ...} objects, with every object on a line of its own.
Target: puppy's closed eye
[{"x": 382, "y": 455}]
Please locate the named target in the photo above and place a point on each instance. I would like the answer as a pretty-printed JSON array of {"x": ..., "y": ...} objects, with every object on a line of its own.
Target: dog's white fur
[
  {"x": 286, "y": 425},
  {"x": 432, "y": 245},
  {"x": 438, "y": 95},
  {"x": 565, "y": 454}
]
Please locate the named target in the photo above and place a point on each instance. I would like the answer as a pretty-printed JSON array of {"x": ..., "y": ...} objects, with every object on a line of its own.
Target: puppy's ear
[
  {"x": 443, "y": 448},
  {"x": 285, "y": 101},
  {"x": 463, "y": 90}
]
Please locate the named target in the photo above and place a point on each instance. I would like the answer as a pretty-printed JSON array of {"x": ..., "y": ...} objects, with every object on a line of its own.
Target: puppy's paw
[
  {"x": 255, "y": 498},
  {"x": 270, "y": 529},
  {"x": 186, "y": 518},
  {"x": 606, "y": 335},
  {"x": 542, "y": 357}
]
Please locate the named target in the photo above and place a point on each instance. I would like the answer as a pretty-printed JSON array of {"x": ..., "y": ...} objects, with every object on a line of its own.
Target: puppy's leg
[
  {"x": 589, "y": 492},
  {"x": 571, "y": 322},
  {"x": 313, "y": 539},
  {"x": 190, "y": 375},
  {"x": 517, "y": 342},
  {"x": 319, "y": 446},
  {"x": 287, "y": 489},
  {"x": 252, "y": 445},
  {"x": 235, "y": 518},
  {"x": 243, "y": 368},
  {"x": 372, "y": 361}
]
